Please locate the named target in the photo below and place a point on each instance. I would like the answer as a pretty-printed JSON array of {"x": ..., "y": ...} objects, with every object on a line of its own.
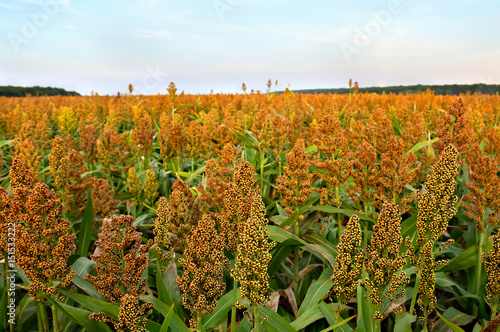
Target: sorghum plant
[
  {"x": 349, "y": 264},
  {"x": 120, "y": 259},
  {"x": 202, "y": 281},
  {"x": 383, "y": 262},
  {"x": 436, "y": 205}
]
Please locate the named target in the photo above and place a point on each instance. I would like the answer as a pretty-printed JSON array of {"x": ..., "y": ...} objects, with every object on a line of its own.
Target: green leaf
[
  {"x": 246, "y": 139},
  {"x": 365, "y": 317},
  {"x": 279, "y": 254},
  {"x": 443, "y": 281},
  {"x": 317, "y": 238},
  {"x": 166, "y": 321},
  {"x": 80, "y": 316},
  {"x": 87, "y": 287},
  {"x": 82, "y": 266},
  {"x": 244, "y": 325},
  {"x": 330, "y": 314},
  {"x": 312, "y": 148},
  {"x": 452, "y": 326},
  {"x": 224, "y": 306},
  {"x": 339, "y": 324},
  {"x": 163, "y": 294},
  {"x": 346, "y": 212},
  {"x": 421, "y": 145},
  {"x": 318, "y": 290},
  {"x": 456, "y": 317},
  {"x": 3, "y": 309},
  {"x": 397, "y": 127},
  {"x": 272, "y": 319},
  {"x": 169, "y": 277},
  {"x": 195, "y": 174},
  {"x": 6, "y": 142},
  {"x": 176, "y": 323},
  {"x": 94, "y": 305},
  {"x": 309, "y": 316},
  {"x": 85, "y": 233},
  {"x": 403, "y": 321},
  {"x": 467, "y": 259},
  {"x": 280, "y": 235}
]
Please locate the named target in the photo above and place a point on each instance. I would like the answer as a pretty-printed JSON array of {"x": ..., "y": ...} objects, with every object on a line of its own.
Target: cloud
[{"x": 156, "y": 34}]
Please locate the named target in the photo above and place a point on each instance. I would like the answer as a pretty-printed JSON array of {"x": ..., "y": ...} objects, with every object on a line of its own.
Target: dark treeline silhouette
[
  {"x": 452, "y": 89},
  {"x": 19, "y": 91}
]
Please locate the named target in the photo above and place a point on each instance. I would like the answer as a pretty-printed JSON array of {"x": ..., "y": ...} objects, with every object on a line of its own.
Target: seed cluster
[
  {"x": 59, "y": 163},
  {"x": 238, "y": 199},
  {"x": 151, "y": 187},
  {"x": 253, "y": 255},
  {"x": 134, "y": 186},
  {"x": 484, "y": 189},
  {"x": 436, "y": 205},
  {"x": 43, "y": 241},
  {"x": 336, "y": 166},
  {"x": 491, "y": 261},
  {"x": 349, "y": 262},
  {"x": 182, "y": 214},
  {"x": 162, "y": 235},
  {"x": 396, "y": 172},
  {"x": 120, "y": 259},
  {"x": 383, "y": 262},
  {"x": 202, "y": 282},
  {"x": 456, "y": 130},
  {"x": 295, "y": 184}
]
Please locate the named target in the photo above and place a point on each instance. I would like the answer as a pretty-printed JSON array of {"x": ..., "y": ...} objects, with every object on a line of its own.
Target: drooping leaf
[{"x": 85, "y": 233}]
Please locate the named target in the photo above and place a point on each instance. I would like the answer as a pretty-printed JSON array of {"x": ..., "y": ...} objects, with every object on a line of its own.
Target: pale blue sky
[{"x": 201, "y": 45}]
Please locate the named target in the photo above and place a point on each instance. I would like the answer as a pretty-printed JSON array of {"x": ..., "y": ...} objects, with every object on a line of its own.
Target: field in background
[{"x": 280, "y": 212}]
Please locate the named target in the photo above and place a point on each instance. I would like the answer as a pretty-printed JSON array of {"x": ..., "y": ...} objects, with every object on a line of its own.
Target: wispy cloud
[
  {"x": 157, "y": 34},
  {"x": 9, "y": 6}
]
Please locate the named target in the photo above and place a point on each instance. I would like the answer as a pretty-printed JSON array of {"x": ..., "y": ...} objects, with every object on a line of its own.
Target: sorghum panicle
[
  {"x": 202, "y": 282},
  {"x": 491, "y": 261},
  {"x": 383, "y": 262},
  {"x": 295, "y": 184},
  {"x": 484, "y": 188},
  {"x": 151, "y": 187},
  {"x": 395, "y": 174},
  {"x": 134, "y": 186},
  {"x": 253, "y": 255},
  {"x": 349, "y": 262},
  {"x": 436, "y": 205},
  {"x": 120, "y": 259},
  {"x": 59, "y": 163},
  {"x": 43, "y": 241}
]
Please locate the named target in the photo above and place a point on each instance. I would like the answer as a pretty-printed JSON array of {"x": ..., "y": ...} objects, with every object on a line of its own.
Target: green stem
[
  {"x": 54, "y": 318},
  {"x": 198, "y": 322},
  {"x": 262, "y": 174},
  {"x": 39, "y": 318},
  {"x": 415, "y": 288},
  {"x": 479, "y": 267},
  {"x": 233, "y": 308},
  {"x": 494, "y": 310},
  {"x": 479, "y": 264},
  {"x": 256, "y": 327},
  {"x": 339, "y": 224},
  {"x": 43, "y": 316},
  {"x": 296, "y": 262}
]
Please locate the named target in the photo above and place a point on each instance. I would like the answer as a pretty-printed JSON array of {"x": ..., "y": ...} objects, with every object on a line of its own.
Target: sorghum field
[{"x": 263, "y": 212}]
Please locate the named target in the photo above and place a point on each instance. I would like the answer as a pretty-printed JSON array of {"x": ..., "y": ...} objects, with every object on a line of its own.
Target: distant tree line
[
  {"x": 19, "y": 91},
  {"x": 452, "y": 89}
]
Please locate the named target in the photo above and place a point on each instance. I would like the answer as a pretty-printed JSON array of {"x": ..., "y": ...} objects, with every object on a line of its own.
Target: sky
[{"x": 216, "y": 45}]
